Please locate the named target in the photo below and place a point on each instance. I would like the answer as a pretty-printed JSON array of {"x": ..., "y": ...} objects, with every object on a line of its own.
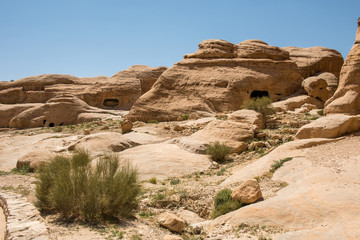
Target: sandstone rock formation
[
  {"x": 60, "y": 110},
  {"x": 347, "y": 97},
  {"x": 321, "y": 86},
  {"x": 117, "y": 92},
  {"x": 314, "y": 60},
  {"x": 331, "y": 126},
  {"x": 248, "y": 192},
  {"x": 171, "y": 222},
  {"x": 293, "y": 102},
  {"x": 126, "y": 126},
  {"x": 218, "y": 77}
]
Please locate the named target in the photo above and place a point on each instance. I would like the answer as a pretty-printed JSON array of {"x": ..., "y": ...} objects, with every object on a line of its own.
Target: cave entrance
[
  {"x": 259, "y": 94},
  {"x": 51, "y": 124},
  {"x": 111, "y": 102}
]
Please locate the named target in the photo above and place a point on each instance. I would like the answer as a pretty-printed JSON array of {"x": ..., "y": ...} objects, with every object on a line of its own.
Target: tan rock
[
  {"x": 317, "y": 88},
  {"x": 103, "y": 142},
  {"x": 178, "y": 128},
  {"x": 60, "y": 110},
  {"x": 254, "y": 145},
  {"x": 347, "y": 97},
  {"x": 313, "y": 60},
  {"x": 248, "y": 192},
  {"x": 172, "y": 237},
  {"x": 33, "y": 159},
  {"x": 171, "y": 222},
  {"x": 238, "y": 147},
  {"x": 8, "y": 112},
  {"x": 331, "y": 126},
  {"x": 126, "y": 126},
  {"x": 293, "y": 102},
  {"x": 117, "y": 92},
  {"x": 219, "y": 77}
]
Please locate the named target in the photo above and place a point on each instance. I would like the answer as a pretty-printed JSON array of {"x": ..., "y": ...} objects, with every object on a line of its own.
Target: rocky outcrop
[
  {"x": 314, "y": 60},
  {"x": 117, "y": 92},
  {"x": 347, "y": 97},
  {"x": 248, "y": 192},
  {"x": 171, "y": 222},
  {"x": 218, "y": 77},
  {"x": 60, "y": 110},
  {"x": 321, "y": 86},
  {"x": 331, "y": 126},
  {"x": 293, "y": 102}
]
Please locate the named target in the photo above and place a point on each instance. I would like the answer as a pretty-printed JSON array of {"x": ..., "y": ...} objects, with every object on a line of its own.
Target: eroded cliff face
[
  {"x": 117, "y": 92},
  {"x": 347, "y": 97},
  {"x": 219, "y": 77}
]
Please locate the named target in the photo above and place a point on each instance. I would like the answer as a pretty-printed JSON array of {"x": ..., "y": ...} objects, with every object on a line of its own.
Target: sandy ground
[{"x": 2, "y": 224}]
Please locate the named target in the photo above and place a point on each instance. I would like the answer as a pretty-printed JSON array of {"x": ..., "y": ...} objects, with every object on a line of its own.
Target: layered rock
[
  {"x": 117, "y": 92},
  {"x": 60, "y": 110},
  {"x": 347, "y": 97},
  {"x": 218, "y": 77},
  {"x": 314, "y": 60}
]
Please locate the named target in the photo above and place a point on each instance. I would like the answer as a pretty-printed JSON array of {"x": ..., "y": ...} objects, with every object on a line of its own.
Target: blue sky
[{"x": 101, "y": 37}]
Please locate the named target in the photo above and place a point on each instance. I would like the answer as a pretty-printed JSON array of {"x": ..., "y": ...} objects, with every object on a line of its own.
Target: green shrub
[
  {"x": 174, "y": 181},
  {"x": 218, "y": 151},
  {"x": 223, "y": 203},
  {"x": 261, "y": 105},
  {"x": 278, "y": 164},
  {"x": 75, "y": 189},
  {"x": 153, "y": 180},
  {"x": 184, "y": 117}
]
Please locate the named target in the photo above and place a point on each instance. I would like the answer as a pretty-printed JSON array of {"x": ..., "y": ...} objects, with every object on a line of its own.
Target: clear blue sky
[{"x": 101, "y": 37}]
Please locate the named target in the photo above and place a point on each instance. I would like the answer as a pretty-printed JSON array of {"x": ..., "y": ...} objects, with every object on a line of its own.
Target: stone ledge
[{"x": 23, "y": 220}]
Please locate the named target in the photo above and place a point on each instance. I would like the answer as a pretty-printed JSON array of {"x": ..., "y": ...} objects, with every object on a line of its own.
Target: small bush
[
  {"x": 278, "y": 164},
  {"x": 174, "y": 181},
  {"x": 70, "y": 186},
  {"x": 223, "y": 203},
  {"x": 57, "y": 129},
  {"x": 261, "y": 105},
  {"x": 184, "y": 117},
  {"x": 153, "y": 180},
  {"x": 218, "y": 151}
]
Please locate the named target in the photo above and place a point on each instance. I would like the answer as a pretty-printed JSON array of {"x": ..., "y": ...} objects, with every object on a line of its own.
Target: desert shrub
[
  {"x": 261, "y": 105},
  {"x": 153, "y": 180},
  {"x": 278, "y": 164},
  {"x": 75, "y": 189},
  {"x": 218, "y": 151},
  {"x": 223, "y": 203},
  {"x": 174, "y": 181},
  {"x": 184, "y": 117}
]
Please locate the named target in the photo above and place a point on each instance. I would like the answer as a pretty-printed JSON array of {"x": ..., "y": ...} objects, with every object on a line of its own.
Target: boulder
[
  {"x": 33, "y": 159},
  {"x": 219, "y": 77},
  {"x": 103, "y": 142},
  {"x": 331, "y": 126},
  {"x": 126, "y": 126},
  {"x": 317, "y": 88},
  {"x": 171, "y": 222},
  {"x": 248, "y": 192},
  {"x": 61, "y": 110},
  {"x": 347, "y": 97},
  {"x": 8, "y": 112},
  {"x": 117, "y": 92},
  {"x": 313, "y": 60},
  {"x": 293, "y": 102}
]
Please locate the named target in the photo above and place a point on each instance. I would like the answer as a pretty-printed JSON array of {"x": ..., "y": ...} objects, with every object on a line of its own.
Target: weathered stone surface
[
  {"x": 171, "y": 222},
  {"x": 33, "y": 159},
  {"x": 172, "y": 237},
  {"x": 191, "y": 145},
  {"x": 117, "y": 92},
  {"x": 248, "y": 192},
  {"x": 102, "y": 143},
  {"x": 317, "y": 87},
  {"x": 315, "y": 60},
  {"x": 293, "y": 102},
  {"x": 164, "y": 160},
  {"x": 23, "y": 220},
  {"x": 219, "y": 77},
  {"x": 126, "y": 126},
  {"x": 347, "y": 97},
  {"x": 60, "y": 110},
  {"x": 8, "y": 112},
  {"x": 331, "y": 126}
]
